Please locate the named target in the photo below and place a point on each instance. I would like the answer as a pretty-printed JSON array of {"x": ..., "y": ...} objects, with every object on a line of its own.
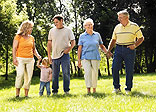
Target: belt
[{"x": 122, "y": 45}]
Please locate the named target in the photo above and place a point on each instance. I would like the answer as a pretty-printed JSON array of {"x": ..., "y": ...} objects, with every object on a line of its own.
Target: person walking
[
  {"x": 127, "y": 36},
  {"x": 61, "y": 40},
  {"x": 23, "y": 56},
  {"x": 88, "y": 54}
]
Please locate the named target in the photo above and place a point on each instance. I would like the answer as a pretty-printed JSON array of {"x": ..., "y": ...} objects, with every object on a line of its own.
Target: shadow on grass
[
  {"x": 133, "y": 94},
  {"x": 97, "y": 95},
  {"x": 62, "y": 96},
  {"x": 139, "y": 94},
  {"x": 19, "y": 99},
  {"x": 58, "y": 96}
]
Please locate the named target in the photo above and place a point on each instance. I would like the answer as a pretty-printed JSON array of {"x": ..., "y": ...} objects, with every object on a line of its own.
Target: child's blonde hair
[{"x": 45, "y": 61}]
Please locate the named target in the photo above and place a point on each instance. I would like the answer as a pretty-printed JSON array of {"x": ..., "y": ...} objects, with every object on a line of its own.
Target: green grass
[{"x": 143, "y": 98}]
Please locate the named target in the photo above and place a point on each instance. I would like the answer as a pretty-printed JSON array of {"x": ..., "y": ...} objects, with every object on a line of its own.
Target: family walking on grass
[{"x": 127, "y": 36}]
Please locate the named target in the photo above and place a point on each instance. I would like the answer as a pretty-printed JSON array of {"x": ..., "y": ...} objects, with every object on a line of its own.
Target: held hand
[
  {"x": 50, "y": 60},
  {"x": 132, "y": 47},
  {"x": 39, "y": 58},
  {"x": 109, "y": 54},
  {"x": 66, "y": 51},
  {"x": 15, "y": 62},
  {"x": 79, "y": 64}
]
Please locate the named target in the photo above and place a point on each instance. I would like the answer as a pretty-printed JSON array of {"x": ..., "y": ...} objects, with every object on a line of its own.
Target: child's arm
[
  {"x": 38, "y": 63},
  {"x": 50, "y": 75}
]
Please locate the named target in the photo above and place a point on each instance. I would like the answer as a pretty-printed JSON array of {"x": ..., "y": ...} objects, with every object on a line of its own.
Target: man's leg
[
  {"x": 65, "y": 63},
  {"x": 116, "y": 66},
  {"x": 56, "y": 71},
  {"x": 129, "y": 64}
]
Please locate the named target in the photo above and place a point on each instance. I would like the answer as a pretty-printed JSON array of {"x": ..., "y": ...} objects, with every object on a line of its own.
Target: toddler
[{"x": 45, "y": 76}]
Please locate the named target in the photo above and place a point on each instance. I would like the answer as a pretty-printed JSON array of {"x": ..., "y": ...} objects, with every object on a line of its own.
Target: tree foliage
[
  {"x": 103, "y": 12},
  {"x": 9, "y": 23}
]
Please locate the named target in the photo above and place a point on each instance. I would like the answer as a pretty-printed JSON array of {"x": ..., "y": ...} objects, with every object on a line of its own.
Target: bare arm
[
  {"x": 36, "y": 52},
  {"x": 49, "y": 47},
  {"x": 38, "y": 63},
  {"x": 103, "y": 48},
  {"x": 111, "y": 45},
  {"x": 79, "y": 56},
  {"x": 15, "y": 45},
  {"x": 138, "y": 42},
  {"x": 66, "y": 51}
]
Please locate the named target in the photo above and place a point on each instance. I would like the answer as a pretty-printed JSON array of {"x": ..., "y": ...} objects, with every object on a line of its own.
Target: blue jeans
[
  {"x": 42, "y": 85},
  {"x": 64, "y": 61},
  {"x": 128, "y": 56}
]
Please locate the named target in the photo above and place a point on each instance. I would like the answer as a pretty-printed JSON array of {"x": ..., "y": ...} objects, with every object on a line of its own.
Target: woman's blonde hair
[
  {"x": 24, "y": 27},
  {"x": 45, "y": 61}
]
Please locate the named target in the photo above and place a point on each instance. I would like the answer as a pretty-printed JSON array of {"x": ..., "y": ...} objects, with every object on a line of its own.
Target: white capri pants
[
  {"x": 24, "y": 71},
  {"x": 91, "y": 72}
]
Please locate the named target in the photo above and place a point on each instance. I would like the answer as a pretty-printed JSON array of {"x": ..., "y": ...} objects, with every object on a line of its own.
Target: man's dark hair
[{"x": 59, "y": 17}]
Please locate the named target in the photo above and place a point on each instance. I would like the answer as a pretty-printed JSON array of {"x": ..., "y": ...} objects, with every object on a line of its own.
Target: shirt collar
[
  {"x": 127, "y": 24},
  {"x": 88, "y": 34}
]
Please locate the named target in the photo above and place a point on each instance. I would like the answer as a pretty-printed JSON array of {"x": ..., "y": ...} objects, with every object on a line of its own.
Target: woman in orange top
[{"x": 23, "y": 53}]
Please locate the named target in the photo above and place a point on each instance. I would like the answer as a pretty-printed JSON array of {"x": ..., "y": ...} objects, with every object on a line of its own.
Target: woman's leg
[
  {"x": 26, "y": 92},
  {"x": 95, "y": 66},
  {"x": 28, "y": 75},
  {"x": 88, "y": 74},
  {"x": 17, "y": 92},
  {"x": 19, "y": 76}
]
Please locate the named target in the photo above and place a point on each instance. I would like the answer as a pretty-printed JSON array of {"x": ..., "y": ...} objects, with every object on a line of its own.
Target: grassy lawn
[{"x": 143, "y": 98}]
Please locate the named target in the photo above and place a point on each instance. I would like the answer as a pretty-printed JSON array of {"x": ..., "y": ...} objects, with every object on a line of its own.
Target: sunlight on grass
[{"x": 143, "y": 98}]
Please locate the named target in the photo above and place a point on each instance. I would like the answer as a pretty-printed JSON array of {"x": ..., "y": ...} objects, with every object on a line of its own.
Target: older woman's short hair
[
  {"x": 124, "y": 12},
  {"x": 88, "y": 20},
  {"x": 24, "y": 27}
]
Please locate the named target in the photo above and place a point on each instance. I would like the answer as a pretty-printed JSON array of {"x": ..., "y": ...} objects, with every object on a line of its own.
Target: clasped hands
[{"x": 109, "y": 54}]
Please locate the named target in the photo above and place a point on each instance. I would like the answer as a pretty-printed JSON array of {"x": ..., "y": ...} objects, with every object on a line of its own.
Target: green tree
[
  {"x": 148, "y": 17},
  {"x": 9, "y": 23}
]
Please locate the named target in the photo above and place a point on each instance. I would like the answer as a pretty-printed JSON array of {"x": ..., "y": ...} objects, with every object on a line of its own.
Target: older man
[
  {"x": 127, "y": 36},
  {"x": 60, "y": 41}
]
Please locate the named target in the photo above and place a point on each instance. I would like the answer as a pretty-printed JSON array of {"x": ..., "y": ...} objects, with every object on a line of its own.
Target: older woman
[
  {"x": 23, "y": 53},
  {"x": 88, "y": 53}
]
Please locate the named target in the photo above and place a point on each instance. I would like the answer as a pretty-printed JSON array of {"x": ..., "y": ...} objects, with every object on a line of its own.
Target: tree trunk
[{"x": 6, "y": 73}]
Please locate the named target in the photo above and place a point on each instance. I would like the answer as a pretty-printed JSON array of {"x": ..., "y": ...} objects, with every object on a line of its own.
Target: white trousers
[
  {"x": 91, "y": 72},
  {"x": 24, "y": 71}
]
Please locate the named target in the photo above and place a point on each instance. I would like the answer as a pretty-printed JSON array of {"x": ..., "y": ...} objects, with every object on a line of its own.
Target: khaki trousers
[
  {"x": 24, "y": 71},
  {"x": 91, "y": 72}
]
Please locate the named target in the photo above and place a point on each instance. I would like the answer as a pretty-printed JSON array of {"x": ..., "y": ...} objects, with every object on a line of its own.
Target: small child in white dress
[{"x": 45, "y": 76}]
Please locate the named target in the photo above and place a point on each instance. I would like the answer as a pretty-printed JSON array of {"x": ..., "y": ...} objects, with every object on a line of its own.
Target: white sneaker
[
  {"x": 116, "y": 90},
  {"x": 128, "y": 92},
  {"x": 66, "y": 92},
  {"x": 54, "y": 93}
]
